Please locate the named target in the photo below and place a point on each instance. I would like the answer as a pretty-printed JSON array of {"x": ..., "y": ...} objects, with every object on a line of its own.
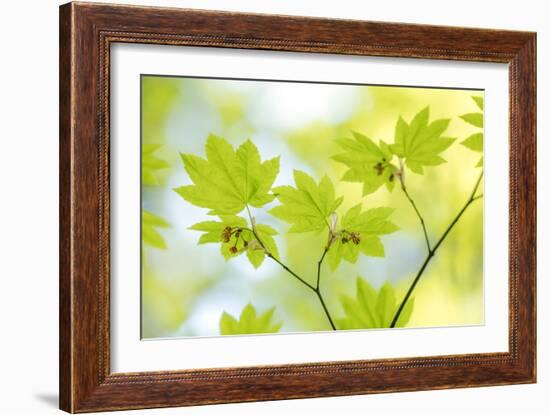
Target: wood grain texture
[
  {"x": 65, "y": 246},
  {"x": 86, "y": 33}
]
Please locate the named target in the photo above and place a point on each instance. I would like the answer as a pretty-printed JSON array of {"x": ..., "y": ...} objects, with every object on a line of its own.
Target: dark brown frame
[{"x": 86, "y": 33}]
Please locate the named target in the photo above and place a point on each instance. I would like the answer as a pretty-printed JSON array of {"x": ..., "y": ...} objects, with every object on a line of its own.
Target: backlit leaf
[
  {"x": 151, "y": 165},
  {"x": 308, "y": 205},
  {"x": 249, "y": 322},
  {"x": 149, "y": 224},
  {"x": 473, "y": 118},
  {"x": 475, "y": 141},
  {"x": 359, "y": 232},
  {"x": 371, "y": 308},
  {"x": 236, "y": 238},
  {"x": 421, "y": 142},
  {"x": 368, "y": 163},
  {"x": 478, "y": 101},
  {"x": 228, "y": 180}
]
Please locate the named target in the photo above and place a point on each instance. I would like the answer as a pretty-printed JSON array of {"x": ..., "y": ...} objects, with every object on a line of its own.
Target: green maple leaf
[
  {"x": 150, "y": 165},
  {"x": 228, "y": 180},
  {"x": 149, "y": 234},
  {"x": 473, "y": 118},
  {"x": 478, "y": 101},
  {"x": 359, "y": 232},
  {"x": 236, "y": 237},
  {"x": 475, "y": 141},
  {"x": 368, "y": 163},
  {"x": 249, "y": 322},
  {"x": 307, "y": 206},
  {"x": 420, "y": 143},
  {"x": 372, "y": 309}
]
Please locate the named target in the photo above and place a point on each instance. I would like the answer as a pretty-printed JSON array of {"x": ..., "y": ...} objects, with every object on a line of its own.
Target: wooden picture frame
[{"x": 86, "y": 33}]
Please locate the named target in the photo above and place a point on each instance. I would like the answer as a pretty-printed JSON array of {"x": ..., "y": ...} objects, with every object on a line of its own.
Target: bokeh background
[{"x": 186, "y": 287}]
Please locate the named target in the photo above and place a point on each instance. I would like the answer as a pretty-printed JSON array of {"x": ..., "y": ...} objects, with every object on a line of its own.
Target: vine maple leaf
[
  {"x": 371, "y": 308},
  {"x": 368, "y": 163},
  {"x": 249, "y": 322},
  {"x": 359, "y": 232},
  {"x": 420, "y": 142},
  {"x": 475, "y": 141},
  {"x": 228, "y": 180},
  {"x": 151, "y": 164},
  {"x": 307, "y": 206},
  {"x": 236, "y": 238},
  {"x": 150, "y": 235}
]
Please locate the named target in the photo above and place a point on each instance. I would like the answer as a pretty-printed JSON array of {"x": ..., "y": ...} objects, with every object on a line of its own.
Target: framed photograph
[{"x": 259, "y": 207}]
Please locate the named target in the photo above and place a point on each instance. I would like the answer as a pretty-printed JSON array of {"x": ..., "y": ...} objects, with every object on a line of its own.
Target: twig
[
  {"x": 318, "y": 284},
  {"x": 432, "y": 252},
  {"x": 315, "y": 288},
  {"x": 401, "y": 176},
  {"x": 422, "y": 221},
  {"x": 325, "y": 309},
  {"x": 287, "y": 269}
]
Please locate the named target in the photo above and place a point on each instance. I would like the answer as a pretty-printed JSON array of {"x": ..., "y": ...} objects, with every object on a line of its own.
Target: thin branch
[
  {"x": 325, "y": 309},
  {"x": 318, "y": 289},
  {"x": 287, "y": 269},
  {"x": 315, "y": 288},
  {"x": 422, "y": 222},
  {"x": 319, "y": 266},
  {"x": 431, "y": 253},
  {"x": 270, "y": 255}
]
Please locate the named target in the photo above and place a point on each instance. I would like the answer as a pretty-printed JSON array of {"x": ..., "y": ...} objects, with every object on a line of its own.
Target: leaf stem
[
  {"x": 432, "y": 252},
  {"x": 422, "y": 221},
  {"x": 315, "y": 288},
  {"x": 319, "y": 266},
  {"x": 287, "y": 269},
  {"x": 270, "y": 255}
]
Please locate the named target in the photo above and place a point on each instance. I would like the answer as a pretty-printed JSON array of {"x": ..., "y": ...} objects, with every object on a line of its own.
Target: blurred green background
[{"x": 186, "y": 287}]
